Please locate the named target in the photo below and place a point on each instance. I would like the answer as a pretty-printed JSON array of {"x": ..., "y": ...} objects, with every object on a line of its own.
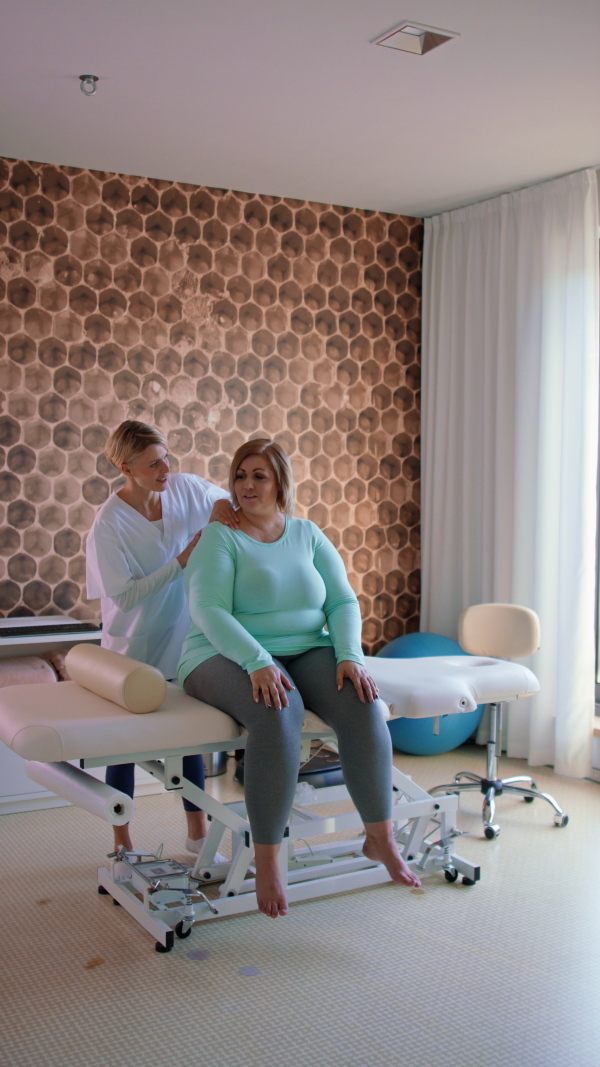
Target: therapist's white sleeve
[
  {"x": 109, "y": 571},
  {"x": 141, "y": 589}
]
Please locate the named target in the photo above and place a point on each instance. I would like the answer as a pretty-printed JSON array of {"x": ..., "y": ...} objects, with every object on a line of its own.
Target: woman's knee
[
  {"x": 362, "y": 723},
  {"x": 285, "y": 723}
]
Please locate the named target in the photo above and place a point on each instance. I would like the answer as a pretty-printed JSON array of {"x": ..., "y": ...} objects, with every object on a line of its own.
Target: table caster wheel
[
  {"x": 491, "y": 831},
  {"x": 561, "y": 820},
  {"x": 181, "y": 933},
  {"x": 451, "y": 875},
  {"x": 102, "y": 891},
  {"x": 159, "y": 947},
  {"x": 468, "y": 881}
]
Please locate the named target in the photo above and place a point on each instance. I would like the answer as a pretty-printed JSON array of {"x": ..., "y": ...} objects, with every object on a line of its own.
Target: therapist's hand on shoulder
[
  {"x": 360, "y": 678},
  {"x": 270, "y": 683},
  {"x": 223, "y": 512},
  {"x": 183, "y": 557}
]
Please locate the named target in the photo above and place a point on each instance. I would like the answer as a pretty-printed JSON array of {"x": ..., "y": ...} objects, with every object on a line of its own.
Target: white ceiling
[{"x": 288, "y": 97}]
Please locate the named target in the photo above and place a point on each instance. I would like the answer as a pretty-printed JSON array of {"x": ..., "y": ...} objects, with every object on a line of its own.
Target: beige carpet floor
[{"x": 506, "y": 972}]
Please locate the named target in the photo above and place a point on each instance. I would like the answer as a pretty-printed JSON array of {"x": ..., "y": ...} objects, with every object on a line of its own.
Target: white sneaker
[{"x": 195, "y": 846}]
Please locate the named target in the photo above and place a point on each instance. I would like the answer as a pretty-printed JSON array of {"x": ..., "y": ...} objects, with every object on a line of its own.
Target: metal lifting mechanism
[
  {"x": 116, "y": 710},
  {"x": 165, "y": 897},
  {"x": 153, "y": 889}
]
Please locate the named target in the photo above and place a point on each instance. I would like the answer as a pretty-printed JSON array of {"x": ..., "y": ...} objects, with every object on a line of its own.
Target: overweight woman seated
[{"x": 260, "y": 597}]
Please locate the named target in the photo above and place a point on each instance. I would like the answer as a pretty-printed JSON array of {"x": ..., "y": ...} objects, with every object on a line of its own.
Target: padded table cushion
[
  {"x": 443, "y": 685},
  {"x": 73, "y": 723}
]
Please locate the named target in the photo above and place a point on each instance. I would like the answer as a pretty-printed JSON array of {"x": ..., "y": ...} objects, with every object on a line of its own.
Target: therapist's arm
[{"x": 138, "y": 590}]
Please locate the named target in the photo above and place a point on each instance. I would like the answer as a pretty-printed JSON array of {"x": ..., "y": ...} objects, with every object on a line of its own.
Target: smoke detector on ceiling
[{"x": 413, "y": 37}]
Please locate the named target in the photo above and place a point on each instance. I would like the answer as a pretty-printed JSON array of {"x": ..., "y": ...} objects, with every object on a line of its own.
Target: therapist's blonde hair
[
  {"x": 282, "y": 469},
  {"x": 130, "y": 440}
]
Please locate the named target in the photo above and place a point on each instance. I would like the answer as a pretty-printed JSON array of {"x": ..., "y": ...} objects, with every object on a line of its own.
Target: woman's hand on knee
[
  {"x": 271, "y": 683},
  {"x": 360, "y": 678}
]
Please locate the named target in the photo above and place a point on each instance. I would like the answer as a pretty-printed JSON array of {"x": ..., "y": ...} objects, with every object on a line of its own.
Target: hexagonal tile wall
[{"x": 216, "y": 315}]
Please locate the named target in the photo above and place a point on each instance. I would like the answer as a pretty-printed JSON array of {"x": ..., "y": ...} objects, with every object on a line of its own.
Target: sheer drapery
[{"x": 510, "y": 430}]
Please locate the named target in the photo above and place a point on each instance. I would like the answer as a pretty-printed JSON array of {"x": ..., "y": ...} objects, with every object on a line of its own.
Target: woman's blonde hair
[
  {"x": 282, "y": 469},
  {"x": 129, "y": 440}
]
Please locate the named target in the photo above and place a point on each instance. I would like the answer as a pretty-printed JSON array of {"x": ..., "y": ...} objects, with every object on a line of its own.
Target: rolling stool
[{"x": 504, "y": 631}]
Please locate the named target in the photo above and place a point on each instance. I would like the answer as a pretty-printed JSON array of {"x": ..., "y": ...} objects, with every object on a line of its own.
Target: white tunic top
[{"x": 132, "y": 567}]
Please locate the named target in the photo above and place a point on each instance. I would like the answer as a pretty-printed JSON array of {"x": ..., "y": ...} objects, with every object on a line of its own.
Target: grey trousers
[{"x": 272, "y": 757}]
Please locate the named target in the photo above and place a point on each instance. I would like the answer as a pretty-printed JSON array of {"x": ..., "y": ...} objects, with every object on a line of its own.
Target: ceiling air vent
[{"x": 412, "y": 37}]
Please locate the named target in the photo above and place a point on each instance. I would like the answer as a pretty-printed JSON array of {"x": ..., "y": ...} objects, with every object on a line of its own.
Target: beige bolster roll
[{"x": 132, "y": 685}]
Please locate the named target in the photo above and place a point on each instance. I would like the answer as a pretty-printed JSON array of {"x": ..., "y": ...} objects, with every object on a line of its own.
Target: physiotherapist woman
[{"x": 137, "y": 551}]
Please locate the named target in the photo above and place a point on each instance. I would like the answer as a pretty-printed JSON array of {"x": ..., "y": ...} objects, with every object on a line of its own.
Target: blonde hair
[
  {"x": 129, "y": 440},
  {"x": 282, "y": 469}
]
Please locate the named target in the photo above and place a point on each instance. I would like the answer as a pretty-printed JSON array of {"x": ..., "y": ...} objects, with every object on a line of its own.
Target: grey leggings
[{"x": 272, "y": 757}]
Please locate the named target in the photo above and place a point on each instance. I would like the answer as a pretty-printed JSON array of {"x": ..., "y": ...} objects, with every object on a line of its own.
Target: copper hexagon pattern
[{"x": 216, "y": 315}]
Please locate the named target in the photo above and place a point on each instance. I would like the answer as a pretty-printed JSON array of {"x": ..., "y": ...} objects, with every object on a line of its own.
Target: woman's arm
[
  {"x": 209, "y": 581},
  {"x": 341, "y": 606},
  {"x": 343, "y": 620}
]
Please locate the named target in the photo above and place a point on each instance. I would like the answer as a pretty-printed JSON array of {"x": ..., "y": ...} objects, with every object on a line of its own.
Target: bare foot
[
  {"x": 385, "y": 850},
  {"x": 270, "y": 894}
]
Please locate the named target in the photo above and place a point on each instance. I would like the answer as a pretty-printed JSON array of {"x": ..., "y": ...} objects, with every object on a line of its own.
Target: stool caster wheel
[
  {"x": 491, "y": 831},
  {"x": 561, "y": 820},
  {"x": 181, "y": 933},
  {"x": 102, "y": 891},
  {"x": 159, "y": 947},
  {"x": 468, "y": 881},
  {"x": 116, "y": 903},
  {"x": 451, "y": 875},
  {"x": 529, "y": 800}
]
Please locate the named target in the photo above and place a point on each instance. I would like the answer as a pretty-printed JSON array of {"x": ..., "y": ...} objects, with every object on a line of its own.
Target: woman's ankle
[
  {"x": 267, "y": 854},
  {"x": 196, "y": 825},
  {"x": 380, "y": 832},
  {"x": 122, "y": 839}
]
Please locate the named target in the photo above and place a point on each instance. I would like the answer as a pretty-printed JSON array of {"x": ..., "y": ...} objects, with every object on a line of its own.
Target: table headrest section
[{"x": 132, "y": 685}]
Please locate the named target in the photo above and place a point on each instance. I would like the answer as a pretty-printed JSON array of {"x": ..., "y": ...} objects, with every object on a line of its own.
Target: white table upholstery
[
  {"x": 69, "y": 722},
  {"x": 444, "y": 685},
  {"x": 73, "y": 723}
]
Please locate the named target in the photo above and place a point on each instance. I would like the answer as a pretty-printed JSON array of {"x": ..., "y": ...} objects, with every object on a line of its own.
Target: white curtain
[{"x": 510, "y": 439}]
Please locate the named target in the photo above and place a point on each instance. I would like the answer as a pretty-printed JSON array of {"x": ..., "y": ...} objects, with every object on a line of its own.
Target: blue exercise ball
[{"x": 416, "y": 736}]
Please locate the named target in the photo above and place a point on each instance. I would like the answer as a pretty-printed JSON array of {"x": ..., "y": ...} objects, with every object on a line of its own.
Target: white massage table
[{"x": 91, "y": 720}]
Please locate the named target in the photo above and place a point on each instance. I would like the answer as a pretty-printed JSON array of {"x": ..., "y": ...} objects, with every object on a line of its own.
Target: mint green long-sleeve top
[{"x": 251, "y": 601}]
